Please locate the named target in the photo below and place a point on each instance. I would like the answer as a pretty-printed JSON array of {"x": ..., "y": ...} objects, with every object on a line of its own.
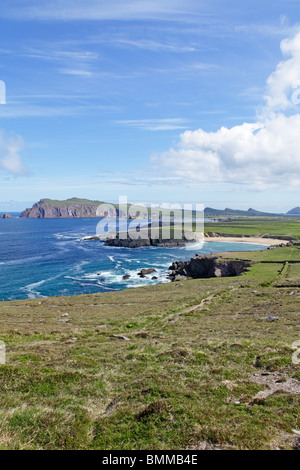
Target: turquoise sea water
[{"x": 47, "y": 257}]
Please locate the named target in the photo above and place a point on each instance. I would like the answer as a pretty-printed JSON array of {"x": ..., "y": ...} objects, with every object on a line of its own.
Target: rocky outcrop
[
  {"x": 150, "y": 238},
  {"x": 6, "y": 216},
  {"x": 206, "y": 267},
  {"x": 163, "y": 243},
  {"x": 145, "y": 272}
]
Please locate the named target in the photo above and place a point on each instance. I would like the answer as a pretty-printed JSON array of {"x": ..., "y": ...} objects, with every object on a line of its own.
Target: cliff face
[
  {"x": 72, "y": 208},
  {"x": 43, "y": 209},
  {"x": 207, "y": 266}
]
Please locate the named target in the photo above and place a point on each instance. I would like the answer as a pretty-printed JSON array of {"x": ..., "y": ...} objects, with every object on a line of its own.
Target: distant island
[
  {"x": 70, "y": 208},
  {"x": 6, "y": 216}
]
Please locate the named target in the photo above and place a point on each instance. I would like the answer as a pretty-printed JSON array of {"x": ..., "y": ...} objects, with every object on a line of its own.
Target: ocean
[{"x": 48, "y": 257}]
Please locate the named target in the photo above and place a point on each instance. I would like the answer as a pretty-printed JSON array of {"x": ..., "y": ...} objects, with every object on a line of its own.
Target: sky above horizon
[{"x": 162, "y": 101}]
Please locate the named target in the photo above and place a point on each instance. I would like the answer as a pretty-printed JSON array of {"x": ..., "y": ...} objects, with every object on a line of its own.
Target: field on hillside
[
  {"x": 258, "y": 227},
  {"x": 199, "y": 364}
]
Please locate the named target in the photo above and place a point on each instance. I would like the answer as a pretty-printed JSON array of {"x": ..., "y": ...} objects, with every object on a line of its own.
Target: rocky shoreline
[
  {"x": 128, "y": 243},
  {"x": 199, "y": 267}
]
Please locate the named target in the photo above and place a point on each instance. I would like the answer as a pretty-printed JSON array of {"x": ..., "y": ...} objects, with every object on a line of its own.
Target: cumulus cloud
[
  {"x": 283, "y": 85},
  {"x": 266, "y": 152},
  {"x": 11, "y": 147}
]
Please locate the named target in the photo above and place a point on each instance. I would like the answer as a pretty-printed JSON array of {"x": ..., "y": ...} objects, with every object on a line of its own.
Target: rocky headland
[
  {"x": 79, "y": 208},
  {"x": 71, "y": 208}
]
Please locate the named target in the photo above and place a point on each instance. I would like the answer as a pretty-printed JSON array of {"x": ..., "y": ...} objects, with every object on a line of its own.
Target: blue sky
[{"x": 162, "y": 101}]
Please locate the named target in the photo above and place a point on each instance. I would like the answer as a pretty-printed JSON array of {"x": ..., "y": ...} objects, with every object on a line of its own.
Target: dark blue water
[{"x": 47, "y": 257}]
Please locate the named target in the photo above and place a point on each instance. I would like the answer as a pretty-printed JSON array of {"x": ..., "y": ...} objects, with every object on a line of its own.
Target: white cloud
[
  {"x": 150, "y": 45},
  {"x": 68, "y": 10},
  {"x": 259, "y": 154},
  {"x": 61, "y": 55},
  {"x": 284, "y": 82},
  {"x": 155, "y": 124},
  {"x": 10, "y": 154},
  {"x": 74, "y": 62},
  {"x": 23, "y": 110},
  {"x": 81, "y": 73}
]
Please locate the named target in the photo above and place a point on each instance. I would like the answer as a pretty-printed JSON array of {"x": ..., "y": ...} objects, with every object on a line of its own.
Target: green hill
[{"x": 295, "y": 211}]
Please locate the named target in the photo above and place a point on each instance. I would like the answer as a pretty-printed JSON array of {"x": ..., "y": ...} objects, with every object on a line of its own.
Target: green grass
[
  {"x": 258, "y": 227},
  {"x": 185, "y": 376},
  {"x": 280, "y": 255},
  {"x": 72, "y": 201}
]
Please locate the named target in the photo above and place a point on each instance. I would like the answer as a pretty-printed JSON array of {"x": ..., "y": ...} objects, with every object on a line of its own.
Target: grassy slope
[
  {"x": 255, "y": 227},
  {"x": 73, "y": 201},
  {"x": 184, "y": 378}
]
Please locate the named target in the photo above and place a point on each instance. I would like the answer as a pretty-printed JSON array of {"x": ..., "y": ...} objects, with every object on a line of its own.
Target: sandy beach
[{"x": 256, "y": 240}]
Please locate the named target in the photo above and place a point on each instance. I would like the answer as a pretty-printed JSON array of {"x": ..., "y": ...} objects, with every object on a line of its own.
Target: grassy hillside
[
  {"x": 203, "y": 366},
  {"x": 257, "y": 227}
]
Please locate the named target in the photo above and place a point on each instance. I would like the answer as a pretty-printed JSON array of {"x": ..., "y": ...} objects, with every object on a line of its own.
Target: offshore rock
[{"x": 145, "y": 272}]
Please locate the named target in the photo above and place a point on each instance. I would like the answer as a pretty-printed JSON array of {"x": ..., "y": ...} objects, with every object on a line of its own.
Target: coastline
[
  {"x": 249, "y": 240},
  {"x": 217, "y": 239}
]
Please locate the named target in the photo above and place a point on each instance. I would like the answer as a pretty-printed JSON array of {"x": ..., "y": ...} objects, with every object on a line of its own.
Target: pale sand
[{"x": 256, "y": 240}]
